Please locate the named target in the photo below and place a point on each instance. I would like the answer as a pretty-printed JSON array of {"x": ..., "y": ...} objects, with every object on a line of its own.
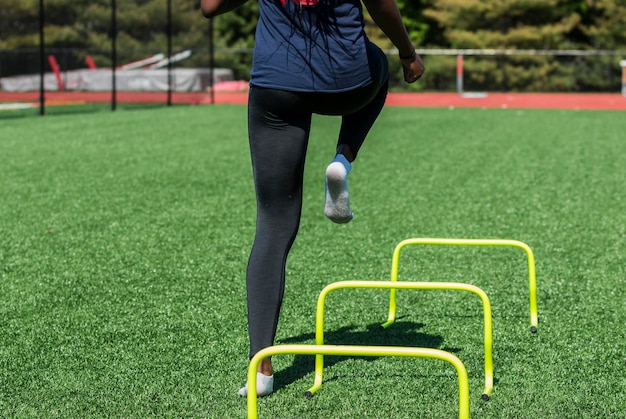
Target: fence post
[
  {"x": 623, "y": 65},
  {"x": 113, "y": 54},
  {"x": 459, "y": 74},
  {"x": 42, "y": 60},
  {"x": 169, "y": 52},
  {"x": 212, "y": 61}
]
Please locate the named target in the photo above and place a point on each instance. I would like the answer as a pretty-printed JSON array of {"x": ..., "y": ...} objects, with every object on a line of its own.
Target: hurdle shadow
[{"x": 402, "y": 333}]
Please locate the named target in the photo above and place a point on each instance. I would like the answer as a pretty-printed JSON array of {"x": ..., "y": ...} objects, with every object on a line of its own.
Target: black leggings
[{"x": 279, "y": 124}]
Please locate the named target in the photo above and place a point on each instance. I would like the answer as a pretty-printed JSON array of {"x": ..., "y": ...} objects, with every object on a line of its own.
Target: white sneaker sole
[{"x": 337, "y": 206}]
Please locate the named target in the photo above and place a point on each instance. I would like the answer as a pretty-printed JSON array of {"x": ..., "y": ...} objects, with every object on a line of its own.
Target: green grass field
[{"x": 125, "y": 236}]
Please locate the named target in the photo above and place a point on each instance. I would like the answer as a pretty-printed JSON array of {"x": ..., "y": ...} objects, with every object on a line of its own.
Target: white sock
[
  {"x": 337, "y": 206},
  {"x": 264, "y": 386}
]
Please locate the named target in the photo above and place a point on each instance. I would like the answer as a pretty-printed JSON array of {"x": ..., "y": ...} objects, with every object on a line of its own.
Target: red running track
[
  {"x": 512, "y": 100},
  {"x": 599, "y": 101}
]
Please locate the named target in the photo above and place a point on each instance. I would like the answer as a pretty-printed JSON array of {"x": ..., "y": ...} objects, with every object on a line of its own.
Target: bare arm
[
  {"x": 388, "y": 18},
  {"x": 212, "y": 8}
]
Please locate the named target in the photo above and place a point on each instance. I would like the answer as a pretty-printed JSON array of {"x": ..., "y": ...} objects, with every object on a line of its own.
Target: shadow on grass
[
  {"x": 78, "y": 109},
  {"x": 399, "y": 334}
]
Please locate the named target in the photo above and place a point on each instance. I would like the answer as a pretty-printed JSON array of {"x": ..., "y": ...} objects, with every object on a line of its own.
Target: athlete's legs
[
  {"x": 359, "y": 109},
  {"x": 279, "y": 127},
  {"x": 278, "y": 135},
  {"x": 354, "y": 129},
  {"x": 356, "y": 125}
]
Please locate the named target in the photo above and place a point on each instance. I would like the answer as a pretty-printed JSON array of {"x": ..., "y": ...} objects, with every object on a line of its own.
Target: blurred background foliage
[{"x": 75, "y": 29}]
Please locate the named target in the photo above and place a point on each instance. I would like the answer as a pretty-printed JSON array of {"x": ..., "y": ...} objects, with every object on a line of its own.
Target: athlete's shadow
[{"x": 399, "y": 334}]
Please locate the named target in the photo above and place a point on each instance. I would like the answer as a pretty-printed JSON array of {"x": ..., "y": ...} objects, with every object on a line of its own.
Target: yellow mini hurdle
[
  {"x": 357, "y": 351},
  {"x": 488, "y": 327},
  {"x": 532, "y": 276}
]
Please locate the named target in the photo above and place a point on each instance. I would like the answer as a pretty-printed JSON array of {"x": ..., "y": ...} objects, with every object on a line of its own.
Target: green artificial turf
[{"x": 124, "y": 241}]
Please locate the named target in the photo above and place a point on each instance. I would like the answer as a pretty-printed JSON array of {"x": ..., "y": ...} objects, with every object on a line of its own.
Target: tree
[
  {"x": 235, "y": 30},
  {"x": 603, "y": 23},
  {"x": 602, "y": 27},
  {"x": 19, "y": 24},
  {"x": 510, "y": 24},
  {"x": 536, "y": 24},
  {"x": 76, "y": 28}
]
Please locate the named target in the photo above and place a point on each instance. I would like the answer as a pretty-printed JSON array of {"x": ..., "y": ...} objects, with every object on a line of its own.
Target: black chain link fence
[
  {"x": 170, "y": 71},
  {"x": 45, "y": 73}
]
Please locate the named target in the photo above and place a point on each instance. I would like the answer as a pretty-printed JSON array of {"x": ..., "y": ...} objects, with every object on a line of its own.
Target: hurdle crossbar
[
  {"x": 488, "y": 325},
  {"x": 374, "y": 351},
  {"x": 532, "y": 276}
]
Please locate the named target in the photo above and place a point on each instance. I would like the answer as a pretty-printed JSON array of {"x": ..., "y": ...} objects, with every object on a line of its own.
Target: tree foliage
[
  {"x": 531, "y": 25},
  {"x": 86, "y": 28}
]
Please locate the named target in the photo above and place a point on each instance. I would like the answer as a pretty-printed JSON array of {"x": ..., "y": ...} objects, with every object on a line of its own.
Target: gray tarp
[{"x": 183, "y": 80}]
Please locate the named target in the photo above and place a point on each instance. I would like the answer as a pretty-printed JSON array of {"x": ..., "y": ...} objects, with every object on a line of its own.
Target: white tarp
[{"x": 183, "y": 80}]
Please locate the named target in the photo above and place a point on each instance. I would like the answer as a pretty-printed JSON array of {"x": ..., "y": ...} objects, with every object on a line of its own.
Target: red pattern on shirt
[{"x": 302, "y": 2}]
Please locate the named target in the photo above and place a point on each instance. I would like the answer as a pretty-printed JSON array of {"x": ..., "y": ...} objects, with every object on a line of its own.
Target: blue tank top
[{"x": 310, "y": 46}]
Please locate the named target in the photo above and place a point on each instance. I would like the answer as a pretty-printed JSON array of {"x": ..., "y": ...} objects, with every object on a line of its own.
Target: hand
[{"x": 413, "y": 68}]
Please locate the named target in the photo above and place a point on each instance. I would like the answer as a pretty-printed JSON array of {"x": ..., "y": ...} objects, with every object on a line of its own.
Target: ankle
[
  {"x": 346, "y": 151},
  {"x": 265, "y": 367}
]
